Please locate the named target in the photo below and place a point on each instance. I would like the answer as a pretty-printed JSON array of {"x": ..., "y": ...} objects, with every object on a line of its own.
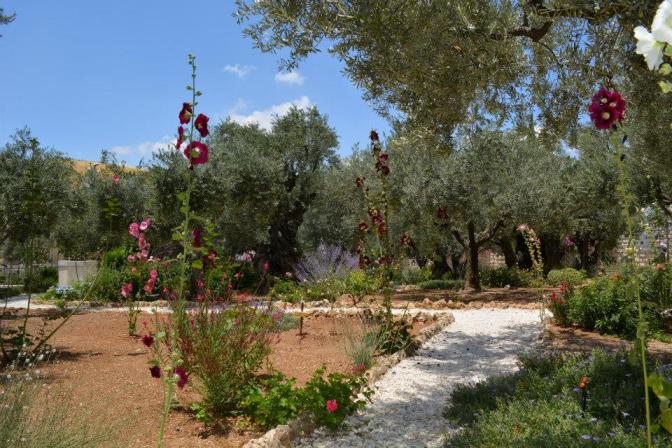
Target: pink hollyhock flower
[
  {"x": 606, "y": 108},
  {"x": 197, "y": 236},
  {"x": 134, "y": 229},
  {"x": 383, "y": 157},
  {"x": 180, "y": 137},
  {"x": 143, "y": 254},
  {"x": 155, "y": 371},
  {"x": 377, "y": 220},
  {"x": 153, "y": 274},
  {"x": 148, "y": 340},
  {"x": 230, "y": 286},
  {"x": 201, "y": 124},
  {"x": 405, "y": 240},
  {"x": 199, "y": 283},
  {"x": 142, "y": 242},
  {"x": 266, "y": 266},
  {"x": 212, "y": 255},
  {"x": 134, "y": 270},
  {"x": 185, "y": 113},
  {"x": 144, "y": 225},
  {"x": 238, "y": 275},
  {"x": 126, "y": 290},
  {"x": 131, "y": 258},
  {"x": 332, "y": 406},
  {"x": 116, "y": 179},
  {"x": 197, "y": 153},
  {"x": 182, "y": 377},
  {"x": 200, "y": 297},
  {"x": 358, "y": 369}
]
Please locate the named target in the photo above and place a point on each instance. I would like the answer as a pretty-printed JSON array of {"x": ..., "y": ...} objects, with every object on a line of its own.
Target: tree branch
[{"x": 487, "y": 235}]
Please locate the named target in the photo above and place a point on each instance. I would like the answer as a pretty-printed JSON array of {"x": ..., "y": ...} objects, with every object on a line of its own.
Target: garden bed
[{"x": 101, "y": 364}]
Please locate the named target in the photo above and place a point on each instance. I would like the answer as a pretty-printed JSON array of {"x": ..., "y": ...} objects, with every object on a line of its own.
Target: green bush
[
  {"x": 501, "y": 277},
  {"x": 361, "y": 342},
  {"x": 359, "y": 284},
  {"x": 442, "y": 284},
  {"x": 107, "y": 284},
  {"x": 570, "y": 276},
  {"x": 287, "y": 291},
  {"x": 41, "y": 280},
  {"x": 540, "y": 406},
  {"x": 412, "y": 275},
  {"x": 272, "y": 402},
  {"x": 115, "y": 258},
  {"x": 603, "y": 305},
  {"x": 657, "y": 284}
]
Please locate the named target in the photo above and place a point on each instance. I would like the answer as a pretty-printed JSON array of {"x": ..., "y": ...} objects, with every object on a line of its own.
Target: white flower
[
  {"x": 661, "y": 28},
  {"x": 648, "y": 47}
]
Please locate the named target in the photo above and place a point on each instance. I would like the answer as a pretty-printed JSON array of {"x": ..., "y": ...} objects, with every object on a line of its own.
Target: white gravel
[{"x": 410, "y": 398}]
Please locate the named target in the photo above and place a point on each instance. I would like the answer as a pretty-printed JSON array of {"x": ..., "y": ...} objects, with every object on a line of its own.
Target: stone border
[{"x": 282, "y": 436}]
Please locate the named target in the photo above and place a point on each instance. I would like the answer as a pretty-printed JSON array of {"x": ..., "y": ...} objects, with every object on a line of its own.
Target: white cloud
[
  {"x": 144, "y": 149},
  {"x": 240, "y": 71},
  {"x": 293, "y": 77},
  {"x": 264, "y": 118}
]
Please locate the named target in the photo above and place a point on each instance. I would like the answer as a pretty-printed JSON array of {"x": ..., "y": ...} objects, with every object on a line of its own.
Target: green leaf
[
  {"x": 197, "y": 264},
  {"x": 666, "y": 420},
  {"x": 665, "y": 69},
  {"x": 668, "y": 50},
  {"x": 665, "y": 86}
]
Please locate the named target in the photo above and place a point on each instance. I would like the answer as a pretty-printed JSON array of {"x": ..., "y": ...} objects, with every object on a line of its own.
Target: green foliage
[
  {"x": 361, "y": 342},
  {"x": 360, "y": 283},
  {"x": 453, "y": 285},
  {"x": 603, "y": 305},
  {"x": 657, "y": 284},
  {"x": 540, "y": 406},
  {"x": 286, "y": 291},
  {"x": 273, "y": 401},
  {"x": 393, "y": 335},
  {"x": 41, "y": 280},
  {"x": 412, "y": 275},
  {"x": 224, "y": 350},
  {"x": 115, "y": 258},
  {"x": 340, "y": 387},
  {"x": 500, "y": 277},
  {"x": 571, "y": 277},
  {"x": 107, "y": 285}
]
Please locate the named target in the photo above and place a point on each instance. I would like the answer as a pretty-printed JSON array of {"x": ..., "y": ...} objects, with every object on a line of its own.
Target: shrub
[
  {"x": 359, "y": 283},
  {"x": 442, "y": 284},
  {"x": 361, "y": 343},
  {"x": 570, "y": 276},
  {"x": 115, "y": 258},
  {"x": 657, "y": 284},
  {"x": 501, "y": 277},
  {"x": 560, "y": 309},
  {"x": 287, "y": 291},
  {"x": 412, "y": 274},
  {"x": 224, "y": 349},
  {"x": 41, "y": 280},
  {"x": 330, "y": 289},
  {"x": 107, "y": 284},
  {"x": 393, "y": 335},
  {"x": 325, "y": 263},
  {"x": 272, "y": 402},
  {"x": 540, "y": 406}
]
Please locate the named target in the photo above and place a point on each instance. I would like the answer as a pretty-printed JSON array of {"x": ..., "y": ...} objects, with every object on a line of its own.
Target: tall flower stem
[{"x": 630, "y": 253}]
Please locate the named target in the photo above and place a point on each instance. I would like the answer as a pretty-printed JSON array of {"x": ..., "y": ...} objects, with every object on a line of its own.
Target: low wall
[{"x": 72, "y": 271}]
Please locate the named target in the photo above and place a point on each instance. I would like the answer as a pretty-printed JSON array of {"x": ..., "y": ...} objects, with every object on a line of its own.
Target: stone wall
[{"x": 72, "y": 271}]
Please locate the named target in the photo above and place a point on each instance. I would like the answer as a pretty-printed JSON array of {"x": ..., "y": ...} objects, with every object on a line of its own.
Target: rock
[
  {"x": 441, "y": 303},
  {"x": 426, "y": 303},
  {"x": 283, "y": 434}
]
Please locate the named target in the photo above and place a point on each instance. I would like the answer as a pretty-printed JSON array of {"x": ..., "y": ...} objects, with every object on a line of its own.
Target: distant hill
[{"x": 82, "y": 165}]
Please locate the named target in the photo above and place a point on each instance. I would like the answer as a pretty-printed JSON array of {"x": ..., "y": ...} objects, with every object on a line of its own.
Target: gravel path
[{"x": 409, "y": 401}]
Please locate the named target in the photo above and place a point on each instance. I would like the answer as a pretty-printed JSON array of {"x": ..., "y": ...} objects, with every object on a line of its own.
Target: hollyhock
[
  {"x": 377, "y": 219},
  {"x": 661, "y": 27},
  {"x": 405, "y": 240},
  {"x": 373, "y": 136},
  {"x": 648, "y": 47},
  {"x": 155, "y": 371},
  {"x": 197, "y": 236},
  {"x": 201, "y": 124},
  {"x": 363, "y": 227},
  {"x": 131, "y": 258},
  {"x": 359, "y": 182},
  {"x": 197, "y": 153},
  {"x": 332, "y": 406},
  {"x": 134, "y": 270},
  {"x": 142, "y": 242},
  {"x": 182, "y": 377},
  {"x": 180, "y": 137},
  {"x": 116, "y": 179},
  {"x": 212, "y": 255},
  {"x": 266, "y": 266},
  {"x": 382, "y": 229},
  {"x": 126, "y": 290},
  {"x": 569, "y": 242},
  {"x": 358, "y": 369},
  {"x": 383, "y": 157},
  {"x": 185, "y": 113},
  {"x": 134, "y": 229},
  {"x": 358, "y": 247},
  {"x": 144, "y": 225},
  {"x": 607, "y": 108},
  {"x": 238, "y": 275},
  {"x": 148, "y": 340},
  {"x": 364, "y": 261}
]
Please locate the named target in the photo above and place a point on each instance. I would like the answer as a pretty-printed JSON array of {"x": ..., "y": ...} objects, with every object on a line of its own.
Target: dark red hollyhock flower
[
  {"x": 197, "y": 153},
  {"x": 358, "y": 247},
  {"x": 382, "y": 229},
  {"x": 185, "y": 113},
  {"x": 384, "y": 260},
  {"x": 363, "y": 227},
  {"x": 373, "y": 136},
  {"x": 182, "y": 377},
  {"x": 148, "y": 340},
  {"x": 359, "y": 182},
  {"x": 377, "y": 220},
  {"x": 180, "y": 137},
  {"x": 197, "y": 236},
  {"x": 385, "y": 170},
  {"x": 201, "y": 124},
  {"x": 155, "y": 371},
  {"x": 372, "y": 212},
  {"x": 405, "y": 240},
  {"x": 364, "y": 261},
  {"x": 441, "y": 213},
  {"x": 607, "y": 108},
  {"x": 383, "y": 157}
]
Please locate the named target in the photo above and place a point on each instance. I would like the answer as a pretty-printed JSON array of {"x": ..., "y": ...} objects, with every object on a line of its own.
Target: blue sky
[{"x": 92, "y": 75}]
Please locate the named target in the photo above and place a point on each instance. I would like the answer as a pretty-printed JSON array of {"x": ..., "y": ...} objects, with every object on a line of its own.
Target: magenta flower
[
  {"x": 127, "y": 290},
  {"x": 155, "y": 371},
  {"x": 153, "y": 274},
  {"x": 148, "y": 340},
  {"x": 182, "y": 377},
  {"x": 144, "y": 225},
  {"x": 198, "y": 237},
  {"x": 131, "y": 258},
  {"x": 332, "y": 406},
  {"x": 142, "y": 242},
  {"x": 134, "y": 230},
  {"x": 180, "y": 137},
  {"x": 185, "y": 113},
  {"x": 197, "y": 153},
  {"x": 606, "y": 108},
  {"x": 358, "y": 369},
  {"x": 201, "y": 124},
  {"x": 116, "y": 179}
]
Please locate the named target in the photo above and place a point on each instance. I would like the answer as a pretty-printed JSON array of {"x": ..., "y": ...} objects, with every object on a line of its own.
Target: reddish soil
[
  {"x": 103, "y": 365},
  {"x": 576, "y": 340}
]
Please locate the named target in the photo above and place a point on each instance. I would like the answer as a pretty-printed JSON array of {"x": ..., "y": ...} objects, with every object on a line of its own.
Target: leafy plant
[
  {"x": 442, "y": 284},
  {"x": 273, "y": 401},
  {"x": 359, "y": 284},
  {"x": 361, "y": 343},
  {"x": 394, "y": 335},
  {"x": 569, "y": 276},
  {"x": 286, "y": 291},
  {"x": 501, "y": 277}
]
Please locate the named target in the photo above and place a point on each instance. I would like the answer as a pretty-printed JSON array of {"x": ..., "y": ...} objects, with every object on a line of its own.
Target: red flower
[
  {"x": 116, "y": 179},
  {"x": 359, "y": 182},
  {"x": 332, "y": 406},
  {"x": 364, "y": 261},
  {"x": 382, "y": 229},
  {"x": 405, "y": 240},
  {"x": 373, "y": 136},
  {"x": 201, "y": 124},
  {"x": 182, "y": 377},
  {"x": 607, "y": 108},
  {"x": 155, "y": 371},
  {"x": 358, "y": 369},
  {"x": 197, "y": 235},
  {"x": 266, "y": 266},
  {"x": 442, "y": 214},
  {"x": 180, "y": 137},
  {"x": 363, "y": 226},
  {"x": 383, "y": 157},
  {"x": 185, "y": 113},
  {"x": 197, "y": 153},
  {"x": 127, "y": 290},
  {"x": 377, "y": 219},
  {"x": 148, "y": 340}
]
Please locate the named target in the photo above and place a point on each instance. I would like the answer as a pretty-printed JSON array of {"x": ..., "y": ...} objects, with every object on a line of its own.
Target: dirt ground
[{"x": 103, "y": 366}]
